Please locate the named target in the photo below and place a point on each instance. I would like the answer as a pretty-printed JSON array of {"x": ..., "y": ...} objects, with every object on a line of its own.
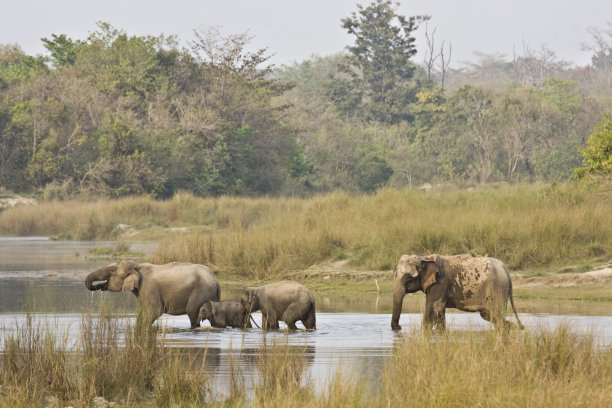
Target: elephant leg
[
  {"x": 497, "y": 319},
  {"x": 292, "y": 314},
  {"x": 269, "y": 321},
  {"x": 193, "y": 309},
  {"x": 435, "y": 314},
  {"x": 246, "y": 322},
  {"x": 149, "y": 312},
  {"x": 310, "y": 320},
  {"x": 439, "y": 309},
  {"x": 490, "y": 317},
  {"x": 193, "y": 319}
]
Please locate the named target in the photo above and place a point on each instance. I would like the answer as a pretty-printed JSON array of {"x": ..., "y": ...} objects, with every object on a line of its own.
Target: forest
[{"x": 113, "y": 115}]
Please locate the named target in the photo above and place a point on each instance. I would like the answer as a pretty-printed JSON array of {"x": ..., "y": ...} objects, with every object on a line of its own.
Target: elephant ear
[
  {"x": 131, "y": 282},
  {"x": 429, "y": 274},
  {"x": 205, "y": 312},
  {"x": 213, "y": 311}
]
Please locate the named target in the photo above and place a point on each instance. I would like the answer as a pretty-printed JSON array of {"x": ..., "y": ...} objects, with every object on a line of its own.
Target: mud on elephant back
[
  {"x": 465, "y": 282},
  {"x": 175, "y": 288}
]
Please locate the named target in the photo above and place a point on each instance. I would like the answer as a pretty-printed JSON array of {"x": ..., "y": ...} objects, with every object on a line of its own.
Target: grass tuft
[
  {"x": 535, "y": 368},
  {"x": 526, "y": 226}
]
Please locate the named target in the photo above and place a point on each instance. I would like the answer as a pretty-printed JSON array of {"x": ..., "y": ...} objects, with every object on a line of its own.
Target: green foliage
[
  {"x": 597, "y": 154},
  {"x": 563, "y": 94},
  {"x": 558, "y": 164},
  {"x": 63, "y": 50},
  {"x": 377, "y": 78},
  {"x": 371, "y": 170},
  {"x": 114, "y": 114}
]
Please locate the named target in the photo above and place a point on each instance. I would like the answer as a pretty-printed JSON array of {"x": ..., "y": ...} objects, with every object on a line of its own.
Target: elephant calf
[
  {"x": 287, "y": 301},
  {"x": 175, "y": 288},
  {"x": 465, "y": 282},
  {"x": 225, "y": 313}
]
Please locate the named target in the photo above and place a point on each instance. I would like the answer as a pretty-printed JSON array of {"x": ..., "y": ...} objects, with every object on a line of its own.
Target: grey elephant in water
[
  {"x": 465, "y": 282},
  {"x": 175, "y": 288},
  {"x": 287, "y": 301},
  {"x": 225, "y": 313}
]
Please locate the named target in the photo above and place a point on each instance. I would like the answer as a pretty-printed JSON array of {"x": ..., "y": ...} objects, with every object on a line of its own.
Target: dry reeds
[
  {"x": 132, "y": 366},
  {"x": 525, "y": 226},
  {"x": 535, "y": 368}
]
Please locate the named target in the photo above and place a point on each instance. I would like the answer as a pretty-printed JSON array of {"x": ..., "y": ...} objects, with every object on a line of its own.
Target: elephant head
[
  {"x": 250, "y": 300},
  {"x": 413, "y": 273},
  {"x": 207, "y": 312},
  {"x": 116, "y": 277}
]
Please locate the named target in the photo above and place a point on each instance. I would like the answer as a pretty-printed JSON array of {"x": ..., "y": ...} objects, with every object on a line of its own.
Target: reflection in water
[
  {"x": 60, "y": 296},
  {"x": 356, "y": 344},
  {"x": 45, "y": 278}
]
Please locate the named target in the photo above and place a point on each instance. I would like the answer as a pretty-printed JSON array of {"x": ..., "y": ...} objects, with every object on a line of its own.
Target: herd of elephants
[{"x": 465, "y": 282}]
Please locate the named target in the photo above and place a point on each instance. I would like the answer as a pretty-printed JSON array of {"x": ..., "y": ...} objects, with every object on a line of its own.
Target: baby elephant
[
  {"x": 225, "y": 313},
  {"x": 287, "y": 301}
]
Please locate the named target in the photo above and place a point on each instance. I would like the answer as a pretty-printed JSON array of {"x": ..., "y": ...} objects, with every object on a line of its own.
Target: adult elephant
[
  {"x": 225, "y": 313},
  {"x": 465, "y": 282},
  {"x": 175, "y": 288},
  {"x": 286, "y": 300}
]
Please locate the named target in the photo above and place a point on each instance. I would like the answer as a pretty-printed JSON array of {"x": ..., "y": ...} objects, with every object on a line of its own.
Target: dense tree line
[{"x": 115, "y": 114}]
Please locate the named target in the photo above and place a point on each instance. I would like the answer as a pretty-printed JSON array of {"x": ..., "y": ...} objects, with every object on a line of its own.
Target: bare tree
[
  {"x": 533, "y": 67},
  {"x": 445, "y": 61},
  {"x": 601, "y": 59},
  {"x": 602, "y": 47},
  {"x": 430, "y": 56}
]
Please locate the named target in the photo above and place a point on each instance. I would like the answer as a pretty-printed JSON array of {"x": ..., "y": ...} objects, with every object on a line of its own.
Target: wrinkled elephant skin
[{"x": 175, "y": 288}]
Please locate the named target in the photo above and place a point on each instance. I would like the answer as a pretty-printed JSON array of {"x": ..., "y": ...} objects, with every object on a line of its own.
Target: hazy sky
[{"x": 295, "y": 30}]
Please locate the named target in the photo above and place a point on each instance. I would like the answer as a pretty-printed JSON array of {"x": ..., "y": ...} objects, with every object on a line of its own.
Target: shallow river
[{"x": 45, "y": 278}]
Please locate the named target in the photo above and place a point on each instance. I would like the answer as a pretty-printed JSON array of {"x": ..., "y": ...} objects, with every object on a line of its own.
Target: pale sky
[{"x": 295, "y": 30}]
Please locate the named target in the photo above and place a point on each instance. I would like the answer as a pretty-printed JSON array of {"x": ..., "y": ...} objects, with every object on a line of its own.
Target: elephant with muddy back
[
  {"x": 225, "y": 313},
  {"x": 287, "y": 301},
  {"x": 175, "y": 288},
  {"x": 465, "y": 282}
]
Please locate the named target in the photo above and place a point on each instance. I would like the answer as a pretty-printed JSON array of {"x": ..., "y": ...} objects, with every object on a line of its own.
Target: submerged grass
[
  {"x": 526, "y": 226},
  {"x": 535, "y": 368}
]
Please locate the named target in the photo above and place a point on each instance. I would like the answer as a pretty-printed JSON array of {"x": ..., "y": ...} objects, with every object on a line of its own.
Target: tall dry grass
[
  {"x": 525, "y": 226},
  {"x": 535, "y": 368},
  {"x": 539, "y": 368},
  {"x": 108, "y": 364}
]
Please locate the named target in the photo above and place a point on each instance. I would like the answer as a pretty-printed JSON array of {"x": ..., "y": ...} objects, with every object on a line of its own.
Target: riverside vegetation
[
  {"x": 115, "y": 114},
  {"x": 532, "y": 228},
  {"x": 137, "y": 117},
  {"x": 536, "y": 368}
]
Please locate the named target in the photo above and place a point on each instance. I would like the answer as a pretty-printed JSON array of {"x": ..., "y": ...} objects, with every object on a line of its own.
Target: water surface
[{"x": 45, "y": 279}]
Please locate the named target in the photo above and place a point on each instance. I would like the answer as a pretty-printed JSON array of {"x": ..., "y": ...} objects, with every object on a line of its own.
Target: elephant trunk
[
  {"x": 101, "y": 274},
  {"x": 398, "y": 297}
]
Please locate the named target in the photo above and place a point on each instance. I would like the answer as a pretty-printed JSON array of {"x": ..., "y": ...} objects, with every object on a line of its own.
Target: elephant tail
[
  {"x": 515, "y": 313},
  {"x": 311, "y": 320},
  {"x": 218, "y": 295}
]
